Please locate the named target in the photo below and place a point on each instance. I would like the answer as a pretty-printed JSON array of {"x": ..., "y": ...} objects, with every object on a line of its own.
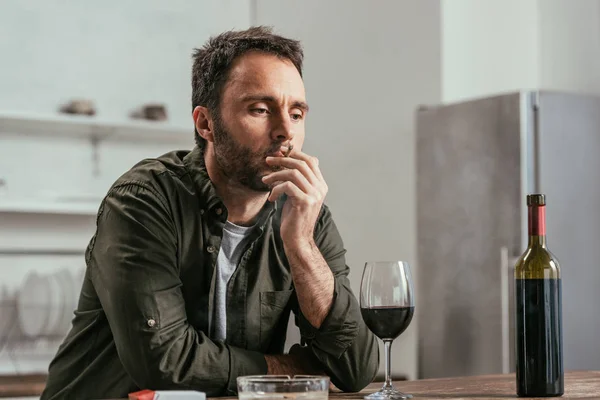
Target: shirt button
[
  {"x": 211, "y": 249},
  {"x": 151, "y": 323},
  {"x": 219, "y": 211}
]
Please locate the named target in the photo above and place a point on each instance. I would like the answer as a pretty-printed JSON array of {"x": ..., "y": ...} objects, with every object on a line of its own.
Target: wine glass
[{"x": 387, "y": 306}]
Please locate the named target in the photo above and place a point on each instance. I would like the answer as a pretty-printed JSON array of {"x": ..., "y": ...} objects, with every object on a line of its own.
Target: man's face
[{"x": 263, "y": 108}]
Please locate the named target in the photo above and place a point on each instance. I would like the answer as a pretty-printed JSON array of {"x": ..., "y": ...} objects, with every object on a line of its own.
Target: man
[{"x": 199, "y": 257}]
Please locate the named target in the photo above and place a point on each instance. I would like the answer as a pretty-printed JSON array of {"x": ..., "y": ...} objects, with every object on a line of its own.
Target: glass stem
[{"x": 388, "y": 360}]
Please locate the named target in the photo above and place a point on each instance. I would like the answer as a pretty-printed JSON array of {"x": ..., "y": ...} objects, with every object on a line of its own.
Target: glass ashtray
[{"x": 267, "y": 387}]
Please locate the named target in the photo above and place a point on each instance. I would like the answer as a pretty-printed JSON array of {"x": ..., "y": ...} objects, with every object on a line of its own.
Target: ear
[{"x": 203, "y": 123}]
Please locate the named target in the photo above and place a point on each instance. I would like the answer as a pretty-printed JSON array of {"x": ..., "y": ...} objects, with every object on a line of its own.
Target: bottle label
[{"x": 537, "y": 221}]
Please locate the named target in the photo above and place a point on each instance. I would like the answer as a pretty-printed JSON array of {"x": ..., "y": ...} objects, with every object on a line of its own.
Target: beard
[{"x": 241, "y": 164}]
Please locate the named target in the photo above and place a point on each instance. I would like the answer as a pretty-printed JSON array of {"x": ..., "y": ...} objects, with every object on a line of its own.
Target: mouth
[
  {"x": 288, "y": 150},
  {"x": 282, "y": 151}
]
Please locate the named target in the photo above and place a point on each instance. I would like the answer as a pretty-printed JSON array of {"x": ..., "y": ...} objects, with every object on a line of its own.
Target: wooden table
[{"x": 578, "y": 385}]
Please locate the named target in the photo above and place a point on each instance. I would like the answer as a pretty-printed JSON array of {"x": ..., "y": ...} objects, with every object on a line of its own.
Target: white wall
[
  {"x": 488, "y": 46},
  {"x": 570, "y": 45},
  {"x": 367, "y": 68},
  {"x": 120, "y": 54}
]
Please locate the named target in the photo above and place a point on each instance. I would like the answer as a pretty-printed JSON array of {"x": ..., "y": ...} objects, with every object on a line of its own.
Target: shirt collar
[{"x": 207, "y": 194}]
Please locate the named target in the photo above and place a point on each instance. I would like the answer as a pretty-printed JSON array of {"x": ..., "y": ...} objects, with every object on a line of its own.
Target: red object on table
[{"x": 142, "y": 395}]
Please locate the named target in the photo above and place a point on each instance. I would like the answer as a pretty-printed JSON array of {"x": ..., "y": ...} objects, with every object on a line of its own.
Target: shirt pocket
[{"x": 273, "y": 305}]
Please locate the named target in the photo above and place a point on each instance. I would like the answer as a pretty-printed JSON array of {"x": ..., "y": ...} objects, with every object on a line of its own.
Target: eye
[
  {"x": 260, "y": 111},
  {"x": 297, "y": 116}
]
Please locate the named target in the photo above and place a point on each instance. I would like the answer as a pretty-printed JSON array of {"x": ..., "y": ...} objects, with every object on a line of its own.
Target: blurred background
[{"x": 421, "y": 111}]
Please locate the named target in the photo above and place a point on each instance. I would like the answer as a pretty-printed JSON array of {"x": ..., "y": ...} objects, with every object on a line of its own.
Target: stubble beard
[{"x": 239, "y": 163}]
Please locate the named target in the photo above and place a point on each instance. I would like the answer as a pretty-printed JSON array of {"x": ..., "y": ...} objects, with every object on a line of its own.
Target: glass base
[{"x": 388, "y": 394}]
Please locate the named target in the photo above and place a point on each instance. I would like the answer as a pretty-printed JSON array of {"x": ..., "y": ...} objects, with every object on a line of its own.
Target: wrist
[
  {"x": 299, "y": 246},
  {"x": 288, "y": 364},
  {"x": 273, "y": 365}
]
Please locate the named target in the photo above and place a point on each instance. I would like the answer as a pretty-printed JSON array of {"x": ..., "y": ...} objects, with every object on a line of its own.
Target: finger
[
  {"x": 288, "y": 188},
  {"x": 293, "y": 163},
  {"x": 312, "y": 162},
  {"x": 292, "y": 175}
]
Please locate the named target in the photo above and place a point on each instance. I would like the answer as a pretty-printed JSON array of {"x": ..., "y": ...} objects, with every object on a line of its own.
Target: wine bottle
[{"x": 539, "y": 347}]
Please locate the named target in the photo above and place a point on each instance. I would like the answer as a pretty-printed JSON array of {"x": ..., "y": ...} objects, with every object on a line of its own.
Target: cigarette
[{"x": 289, "y": 150}]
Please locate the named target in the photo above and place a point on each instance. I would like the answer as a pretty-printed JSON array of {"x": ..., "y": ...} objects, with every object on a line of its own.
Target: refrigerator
[{"x": 476, "y": 161}]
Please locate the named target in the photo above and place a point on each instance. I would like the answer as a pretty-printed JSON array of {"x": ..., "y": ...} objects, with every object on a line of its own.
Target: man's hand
[
  {"x": 305, "y": 187},
  {"x": 299, "y": 361},
  {"x": 301, "y": 180}
]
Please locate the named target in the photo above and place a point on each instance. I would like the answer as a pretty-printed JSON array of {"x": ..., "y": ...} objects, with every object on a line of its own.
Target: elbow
[
  {"x": 369, "y": 368},
  {"x": 363, "y": 372},
  {"x": 353, "y": 386},
  {"x": 175, "y": 367},
  {"x": 361, "y": 381},
  {"x": 159, "y": 378},
  {"x": 357, "y": 382},
  {"x": 151, "y": 376},
  {"x": 158, "y": 370}
]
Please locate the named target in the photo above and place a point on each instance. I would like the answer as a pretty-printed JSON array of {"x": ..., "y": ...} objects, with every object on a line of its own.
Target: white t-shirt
[{"x": 234, "y": 241}]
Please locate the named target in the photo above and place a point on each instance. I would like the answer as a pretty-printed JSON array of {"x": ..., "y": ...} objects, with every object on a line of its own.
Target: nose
[{"x": 283, "y": 128}]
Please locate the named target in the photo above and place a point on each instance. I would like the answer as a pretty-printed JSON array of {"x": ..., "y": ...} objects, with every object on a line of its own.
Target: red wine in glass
[{"x": 387, "y": 307}]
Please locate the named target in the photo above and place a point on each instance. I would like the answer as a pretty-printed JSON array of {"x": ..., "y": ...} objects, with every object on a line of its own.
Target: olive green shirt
[{"x": 142, "y": 317}]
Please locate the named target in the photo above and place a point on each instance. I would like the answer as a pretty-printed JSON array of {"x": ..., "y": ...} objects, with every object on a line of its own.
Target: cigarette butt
[{"x": 289, "y": 150}]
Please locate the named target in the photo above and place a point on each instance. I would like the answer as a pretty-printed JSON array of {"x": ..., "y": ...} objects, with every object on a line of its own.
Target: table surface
[{"x": 578, "y": 385}]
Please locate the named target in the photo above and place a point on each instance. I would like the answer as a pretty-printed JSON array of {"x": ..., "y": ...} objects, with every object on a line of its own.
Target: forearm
[
  {"x": 299, "y": 361},
  {"x": 313, "y": 281},
  {"x": 344, "y": 346}
]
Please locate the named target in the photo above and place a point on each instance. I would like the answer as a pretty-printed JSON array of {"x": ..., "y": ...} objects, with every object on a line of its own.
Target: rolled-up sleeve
[
  {"x": 133, "y": 259},
  {"x": 343, "y": 344}
]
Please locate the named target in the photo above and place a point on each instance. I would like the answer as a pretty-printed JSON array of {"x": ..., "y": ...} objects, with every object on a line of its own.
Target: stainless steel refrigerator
[{"x": 476, "y": 161}]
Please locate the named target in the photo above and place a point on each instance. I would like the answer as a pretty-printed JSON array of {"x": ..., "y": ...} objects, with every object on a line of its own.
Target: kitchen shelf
[
  {"x": 58, "y": 208},
  {"x": 91, "y": 126}
]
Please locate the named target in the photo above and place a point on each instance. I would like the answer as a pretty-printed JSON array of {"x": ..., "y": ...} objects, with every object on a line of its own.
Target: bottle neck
[{"x": 537, "y": 225}]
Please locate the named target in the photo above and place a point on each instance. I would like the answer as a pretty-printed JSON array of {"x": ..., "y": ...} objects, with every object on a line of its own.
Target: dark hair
[{"x": 213, "y": 61}]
